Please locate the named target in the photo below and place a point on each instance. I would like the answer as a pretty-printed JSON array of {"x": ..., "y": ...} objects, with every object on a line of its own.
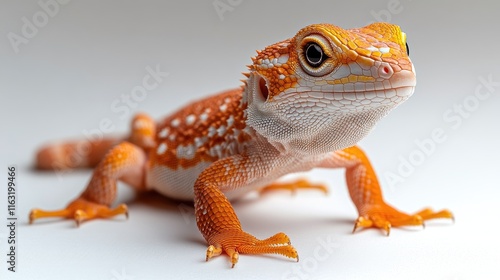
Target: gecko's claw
[
  {"x": 126, "y": 211},
  {"x": 213, "y": 251},
  {"x": 80, "y": 210},
  {"x": 234, "y": 258},
  {"x": 79, "y": 216}
]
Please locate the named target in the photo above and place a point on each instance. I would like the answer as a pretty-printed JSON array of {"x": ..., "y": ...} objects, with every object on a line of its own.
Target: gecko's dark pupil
[
  {"x": 314, "y": 54},
  {"x": 407, "y": 49}
]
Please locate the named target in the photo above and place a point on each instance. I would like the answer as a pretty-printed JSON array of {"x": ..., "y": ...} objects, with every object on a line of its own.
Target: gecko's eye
[
  {"x": 314, "y": 54},
  {"x": 407, "y": 49}
]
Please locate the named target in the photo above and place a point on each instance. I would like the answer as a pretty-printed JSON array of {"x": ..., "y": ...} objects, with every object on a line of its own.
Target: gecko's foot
[
  {"x": 80, "y": 210},
  {"x": 234, "y": 242},
  {"x": 385, "y": 217},
  {"x": 294, "y": 186}
]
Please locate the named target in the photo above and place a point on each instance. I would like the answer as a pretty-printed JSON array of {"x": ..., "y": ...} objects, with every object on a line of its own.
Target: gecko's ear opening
[{"x": 263, "y": 90}]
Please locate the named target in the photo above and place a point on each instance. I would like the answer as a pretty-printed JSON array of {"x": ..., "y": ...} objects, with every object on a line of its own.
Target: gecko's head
[{"x": 326, "y": 88}]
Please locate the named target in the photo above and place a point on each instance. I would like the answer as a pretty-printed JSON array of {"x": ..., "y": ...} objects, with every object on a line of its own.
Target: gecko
[{"x": 305, "y": 103}]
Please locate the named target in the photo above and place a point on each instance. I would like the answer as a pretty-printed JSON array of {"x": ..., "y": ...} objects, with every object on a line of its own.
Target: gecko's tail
[{"x": 74, "y": 154}]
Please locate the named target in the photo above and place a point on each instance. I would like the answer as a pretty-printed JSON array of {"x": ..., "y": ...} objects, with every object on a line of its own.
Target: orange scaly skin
[{"x": 306, "y": 102}]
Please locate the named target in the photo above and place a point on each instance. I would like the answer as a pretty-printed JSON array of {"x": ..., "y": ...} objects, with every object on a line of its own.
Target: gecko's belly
[
  {"x": 179, "y": 183},
  {"x": 174, "y": 183}
]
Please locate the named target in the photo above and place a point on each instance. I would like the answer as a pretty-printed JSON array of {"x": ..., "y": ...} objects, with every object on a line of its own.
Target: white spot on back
[
  {"x": 211, "y": 131},
  {"x": 175, "y": 123},
  {"x": 164, "y": 132},
  {"x": 221, "y": 130},
  {"x": 186, "y": 152},
  {"x": 190, "y": 119},
  {"x": 230, "y": 121},
  {"x": 198, "y": 142},
  {"x": 162, "y": 148},
  {"x": 223, "y": 108},
  {"x": 204, "y": 117},
  {"x": 281, "y": 77}
]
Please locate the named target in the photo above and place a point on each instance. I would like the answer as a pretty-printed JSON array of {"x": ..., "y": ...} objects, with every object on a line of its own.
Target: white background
[{"x": 65, "y": 78}]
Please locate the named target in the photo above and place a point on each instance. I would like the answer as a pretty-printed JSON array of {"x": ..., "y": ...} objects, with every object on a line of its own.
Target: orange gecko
[{"x": 305, "y": 103}]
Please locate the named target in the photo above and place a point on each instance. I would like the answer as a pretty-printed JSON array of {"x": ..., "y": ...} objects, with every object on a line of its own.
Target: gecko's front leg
[{"x": 216, "y": 218}]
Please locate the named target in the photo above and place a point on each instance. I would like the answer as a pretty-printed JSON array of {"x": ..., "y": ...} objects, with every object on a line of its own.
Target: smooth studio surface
[{"x": 71, "y": 74}]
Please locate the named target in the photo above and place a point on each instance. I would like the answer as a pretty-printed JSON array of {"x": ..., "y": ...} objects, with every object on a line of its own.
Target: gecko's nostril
[
  {"x": 385, "y": 71},
  {"x": 264, "y": 91}
]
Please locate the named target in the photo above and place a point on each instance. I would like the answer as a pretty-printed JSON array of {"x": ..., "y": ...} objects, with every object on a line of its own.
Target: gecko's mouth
[
  {"x": 385, "y": 93},
  {"x": 391, "y": 91},
  {"x": 399, "y": 85},
  {"x": 348, "y": 100},
  {"x": 402, "y": 81},
  {"x": 361, "y": 100}
]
